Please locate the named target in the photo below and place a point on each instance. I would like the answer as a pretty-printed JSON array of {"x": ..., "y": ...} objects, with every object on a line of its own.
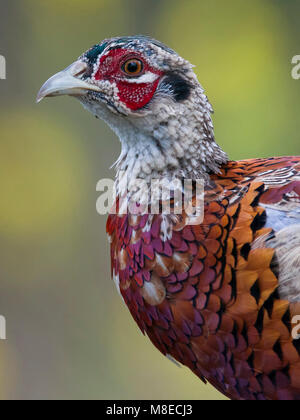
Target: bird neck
[{"x": 174, "y": 140}]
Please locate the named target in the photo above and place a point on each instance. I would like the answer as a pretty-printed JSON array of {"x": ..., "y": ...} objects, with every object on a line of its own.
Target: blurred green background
[{"x": 69, "y": 335}]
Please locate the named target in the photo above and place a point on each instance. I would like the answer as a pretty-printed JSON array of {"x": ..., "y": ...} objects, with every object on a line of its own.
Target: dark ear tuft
[
  {"x": 94, "y": 53},
  {"x": 178, "y": 86}
]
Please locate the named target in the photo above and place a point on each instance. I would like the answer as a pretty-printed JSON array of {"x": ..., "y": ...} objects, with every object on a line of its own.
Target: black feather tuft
[
  {"x": 259, "y": 221},
  {"x": 93, "y": 54},
  {"x": 180, "y": 87}
]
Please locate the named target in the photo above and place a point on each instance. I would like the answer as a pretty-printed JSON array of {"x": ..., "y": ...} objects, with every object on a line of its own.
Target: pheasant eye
[{"x": 133, "y": 67}]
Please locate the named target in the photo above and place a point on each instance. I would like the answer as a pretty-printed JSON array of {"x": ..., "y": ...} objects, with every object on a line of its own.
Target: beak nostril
[
  {"x": 78, "y": 68},
  {"x": 81, "y": 71}
]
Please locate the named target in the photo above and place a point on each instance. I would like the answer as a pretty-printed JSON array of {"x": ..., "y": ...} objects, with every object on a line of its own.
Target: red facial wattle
[{"x": 134, "y": 95}]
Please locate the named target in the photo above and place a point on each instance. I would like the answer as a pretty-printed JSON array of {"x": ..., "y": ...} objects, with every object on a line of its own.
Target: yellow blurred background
[{"x": 68, "y": 334}]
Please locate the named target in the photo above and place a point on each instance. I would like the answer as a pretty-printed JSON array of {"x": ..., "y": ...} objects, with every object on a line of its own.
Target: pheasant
[{"x": 219, "y": 296}]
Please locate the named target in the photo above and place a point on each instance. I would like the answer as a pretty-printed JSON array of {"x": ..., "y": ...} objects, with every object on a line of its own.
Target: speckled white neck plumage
[{"x": 173, "y": 140}]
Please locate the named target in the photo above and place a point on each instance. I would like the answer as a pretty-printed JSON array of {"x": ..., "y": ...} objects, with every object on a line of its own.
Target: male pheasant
[{"x": 218, "y": 296}]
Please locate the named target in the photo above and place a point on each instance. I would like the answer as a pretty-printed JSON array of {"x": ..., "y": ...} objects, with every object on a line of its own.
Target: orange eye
[{"x": 133, "y": 67}]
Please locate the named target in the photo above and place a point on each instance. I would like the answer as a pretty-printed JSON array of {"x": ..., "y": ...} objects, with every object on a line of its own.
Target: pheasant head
[{"x": 152, "y": 100}]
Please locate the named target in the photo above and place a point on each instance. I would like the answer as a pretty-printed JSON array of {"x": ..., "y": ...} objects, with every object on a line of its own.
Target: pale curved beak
[{"x": 67, "y": 82}]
